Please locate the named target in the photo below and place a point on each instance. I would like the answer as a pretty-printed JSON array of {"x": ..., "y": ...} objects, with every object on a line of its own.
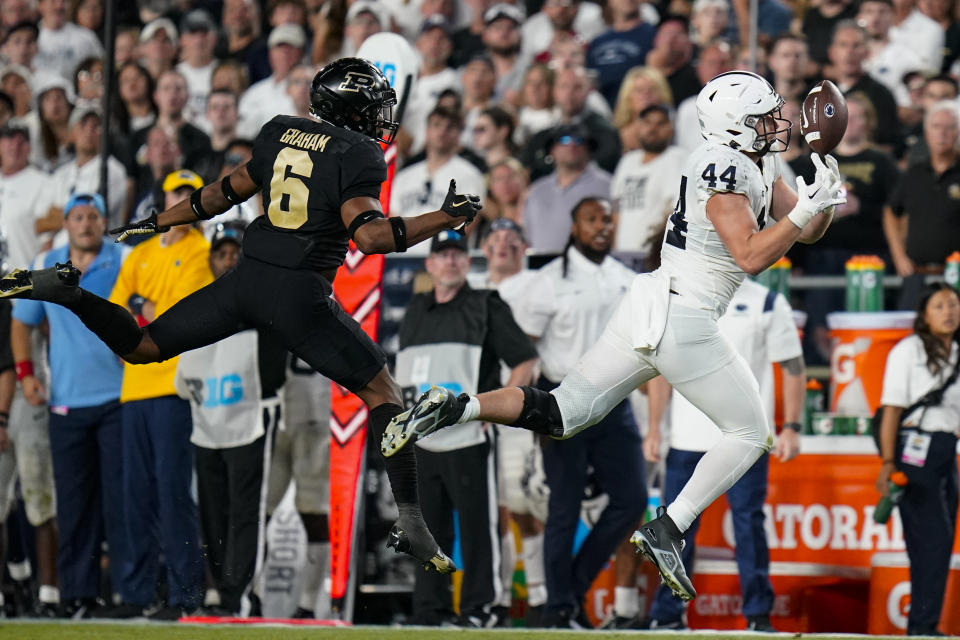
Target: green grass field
[{"x": 134, "y": 631}]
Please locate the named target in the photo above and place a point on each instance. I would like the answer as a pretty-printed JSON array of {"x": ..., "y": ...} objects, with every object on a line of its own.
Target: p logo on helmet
[{"x": 355, "y": 81}]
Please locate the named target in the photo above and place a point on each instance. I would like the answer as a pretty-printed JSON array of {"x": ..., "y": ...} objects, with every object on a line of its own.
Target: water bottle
[
  {"x": 854, "y": 271},
  {"x": 813, "y": 403},
  {"x": 951, "y": 272},
  {"x": 898, "y": 482}
]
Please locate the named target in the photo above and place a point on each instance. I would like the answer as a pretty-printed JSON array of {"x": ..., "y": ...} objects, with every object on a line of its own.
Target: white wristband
[{"x": 801, "y": 217}]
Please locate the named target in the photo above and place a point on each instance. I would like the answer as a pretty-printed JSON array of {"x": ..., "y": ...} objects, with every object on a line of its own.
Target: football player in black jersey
[{"x": 320, "y": 183}]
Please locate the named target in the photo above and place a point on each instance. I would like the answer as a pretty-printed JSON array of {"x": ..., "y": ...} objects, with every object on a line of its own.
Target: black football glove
[
  {"x": 460, "y": 205},
  {"x": 147, "y": 226}
]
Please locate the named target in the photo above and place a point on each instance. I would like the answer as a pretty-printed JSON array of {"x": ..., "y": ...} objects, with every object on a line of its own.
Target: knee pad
[{"x": 541, "y": 413}]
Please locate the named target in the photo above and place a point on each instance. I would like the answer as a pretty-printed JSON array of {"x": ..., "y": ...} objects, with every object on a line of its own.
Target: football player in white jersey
[{"x": 734, "y": 216}]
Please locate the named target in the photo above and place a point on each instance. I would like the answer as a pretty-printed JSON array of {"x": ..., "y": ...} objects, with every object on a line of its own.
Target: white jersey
[{"x": 699, "y": 264}]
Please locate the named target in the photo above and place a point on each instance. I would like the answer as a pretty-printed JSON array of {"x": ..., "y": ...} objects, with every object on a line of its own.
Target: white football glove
[{"x": 824, "y": 192}]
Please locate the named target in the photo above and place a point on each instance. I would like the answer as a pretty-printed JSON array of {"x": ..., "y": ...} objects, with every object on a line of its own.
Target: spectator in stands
[
  {"x": 434, "y": 46},
  {"x": 223, "y": 116},
  {"x": 536, "y": 112},
  {"x": 887, "y": 60},
  {"x": 50, "y": 129},
  {"x": 788, "y": 61},
  {"x": 286, "y": 12},
  {"x": 15, "y": 11},
  {"x": 158, "y": 457},
  {"x": 157, "y": 50},
  {"x": 570, "y": 91},
  {"x": 918, "y": 31},
  {"x": 922, "y": 221},
  {"x": 232, "y": 387},
  {"x": 62, "y": 44},
  {"x": 641, "y": 88},
  {"x": 136, "y": 88},
  {"x": 583, "y": 19},
  {"x": 6, "y": 108},
  {"x": 709, "y": 20},
  {"x": 479, "y": 81},
  {"x": 848, "y": 51},
  {"x": 819, "y": 23},
  {"x": 422, "y": 186},
  {"x": 89, "y": 14},
  {"x": 645, "y": 185},
  {"x": 624, "y": 46},
  {"x": 715, "y": 58},
  {"x": 462, "y": 335},
  {"x": 20, "y": 44},
  {"x": 88, "y": 83},
  {"x": 161, "y": 156},
  {"x": 230, "y": 75},
  {"x": 125, "y": 45},
  {"x": 22, "y": 195},
  {"x": 493, "y": 135},
  {"x": 243, "y": 43},
  {"x": 508, "y": 181},
  {"x": 467, "y": 39},
  {"x": 935, "y": 89},
  {"x": 759, "y": 324},
  {"x": 870, "y": 176},
  {"x": 298, "y": 90},
  {"x": 672, "y": 55},
  {"x": 566, "y": 308},
  {"x": 171, "y": 97},
  {"x": 922, "y": 443},
  {"x": 576, "y": 177},
  {"x": 364, "y": 18},
  {"x": 15, "y": 82},
  {"x": 85, "y": 429},
  {"x": 501, "y": 39},
  {"x": 198, "y": 39},
  {"x": 268, "y": 97}
]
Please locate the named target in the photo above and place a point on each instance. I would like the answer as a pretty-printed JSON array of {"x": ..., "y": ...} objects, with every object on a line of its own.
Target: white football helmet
[{"x": 731, "y": 106}]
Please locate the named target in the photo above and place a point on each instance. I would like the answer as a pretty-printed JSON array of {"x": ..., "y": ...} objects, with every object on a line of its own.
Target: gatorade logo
[
  {"x": 898, "y": 605},
  {"x": 843, "y": 368}
]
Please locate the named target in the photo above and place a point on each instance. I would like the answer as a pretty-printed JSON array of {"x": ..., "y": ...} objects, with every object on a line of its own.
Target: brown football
[{"x": 824, "y": 118}]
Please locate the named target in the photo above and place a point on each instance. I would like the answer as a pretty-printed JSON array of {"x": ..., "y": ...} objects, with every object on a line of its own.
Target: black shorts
[{"x": 294, "y": 304}]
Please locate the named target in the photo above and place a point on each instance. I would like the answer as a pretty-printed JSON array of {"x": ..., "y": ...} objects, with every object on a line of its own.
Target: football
[{"x": 824, "y": 117}]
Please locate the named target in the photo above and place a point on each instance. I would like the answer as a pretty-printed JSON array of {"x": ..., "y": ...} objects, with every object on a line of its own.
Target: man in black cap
[
  {"x": 501, "y": 38},
  {"x": 458, "y": 334},
  {"x": 576, "y": 176}
]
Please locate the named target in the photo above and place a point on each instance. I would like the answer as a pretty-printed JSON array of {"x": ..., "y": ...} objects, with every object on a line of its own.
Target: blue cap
[{"x": 79, "y": 199}]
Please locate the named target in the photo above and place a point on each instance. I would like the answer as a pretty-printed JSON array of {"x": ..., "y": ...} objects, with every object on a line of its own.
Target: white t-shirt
[
  {"x": 22, "y": 202},
  {"x": 414, "y": 191},
  {"x": 422, "y": 100},
  {"x": 644, "y": 194},
  {"x": 264, "y": 100},
  {"x": 889, "y": 66},
  {"x": 906, "y": 379},
  {"x": 70, "y": 179},
  {"x": 198, "y": 88},
  {"x": 759, "y": 325},
  {"x": 62, "y": 50},
  {"x": 537, "y": 31},
  {"x": 687, "y": 125},
  {"x": 700, "y": 266},
  {"x": 569, "y": 314},
  {"x": 923, "y": 35}
]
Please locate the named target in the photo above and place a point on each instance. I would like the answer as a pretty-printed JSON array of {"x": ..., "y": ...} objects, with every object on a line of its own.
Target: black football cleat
[
  {"x": 421, "y": 546},
  {"x": 434, "y": 409},
  {"x": 661, "y": 541},
  {"x": 58, "y": 284}
]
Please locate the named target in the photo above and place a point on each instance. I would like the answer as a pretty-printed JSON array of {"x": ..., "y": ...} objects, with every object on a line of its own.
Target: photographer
[{"x": 918, "y": 436}]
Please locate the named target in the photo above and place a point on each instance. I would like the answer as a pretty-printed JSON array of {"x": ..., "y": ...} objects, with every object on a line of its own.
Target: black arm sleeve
[
  {"x": 272, "y": 357},
  {"x": 6, "y": 354},
  {"x": 505, "y": 336},
  {"x": 362, "y": 171}
]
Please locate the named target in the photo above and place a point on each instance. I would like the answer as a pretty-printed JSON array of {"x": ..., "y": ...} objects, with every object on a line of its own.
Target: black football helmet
[{"x": 353, "y": 93}]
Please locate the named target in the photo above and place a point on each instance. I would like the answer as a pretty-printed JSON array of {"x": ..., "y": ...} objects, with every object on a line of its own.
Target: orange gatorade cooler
[
  {"x": 860, "y": 342},
  {"x": 890, "y": 596}
]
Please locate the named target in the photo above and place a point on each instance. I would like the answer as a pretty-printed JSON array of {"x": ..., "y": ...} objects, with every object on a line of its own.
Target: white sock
[
  {"x": 717, "y": 471},
  {"x": 211, "y": 598},
  {"x": 20, "y": 571},
  {"x": 626, "y": 602},
  {"x": 314, "y": 571},
  {"x": 471, "y": 411},
  {"x": 49, "y": 595},
  {"x": 534, "y": 571},
  {"x": 508, "y": 555}
]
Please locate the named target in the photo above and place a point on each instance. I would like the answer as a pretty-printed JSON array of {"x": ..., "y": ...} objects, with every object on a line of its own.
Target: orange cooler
[
  {"x": 890, "y": 596},
  {"x": 861, "y": 342}
]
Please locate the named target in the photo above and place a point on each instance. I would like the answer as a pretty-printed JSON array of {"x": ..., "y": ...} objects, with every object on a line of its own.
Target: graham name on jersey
[{"x": 311, "y": 141}]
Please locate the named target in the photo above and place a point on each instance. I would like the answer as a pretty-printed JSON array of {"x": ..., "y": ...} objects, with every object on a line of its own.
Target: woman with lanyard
[{"x": 925, "y": 447}]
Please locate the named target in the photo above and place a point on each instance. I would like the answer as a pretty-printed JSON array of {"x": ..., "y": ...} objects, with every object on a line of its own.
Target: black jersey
[{"x": 306, "y": 170}]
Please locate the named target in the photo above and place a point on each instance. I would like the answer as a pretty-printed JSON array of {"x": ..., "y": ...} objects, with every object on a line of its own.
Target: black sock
[
  {"x": 402, "y": 466},
  {"x": 110, "y": 322}
]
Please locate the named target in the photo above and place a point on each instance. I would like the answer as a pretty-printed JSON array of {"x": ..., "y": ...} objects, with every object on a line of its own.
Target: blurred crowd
[{"x": 549, "y": 109}]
